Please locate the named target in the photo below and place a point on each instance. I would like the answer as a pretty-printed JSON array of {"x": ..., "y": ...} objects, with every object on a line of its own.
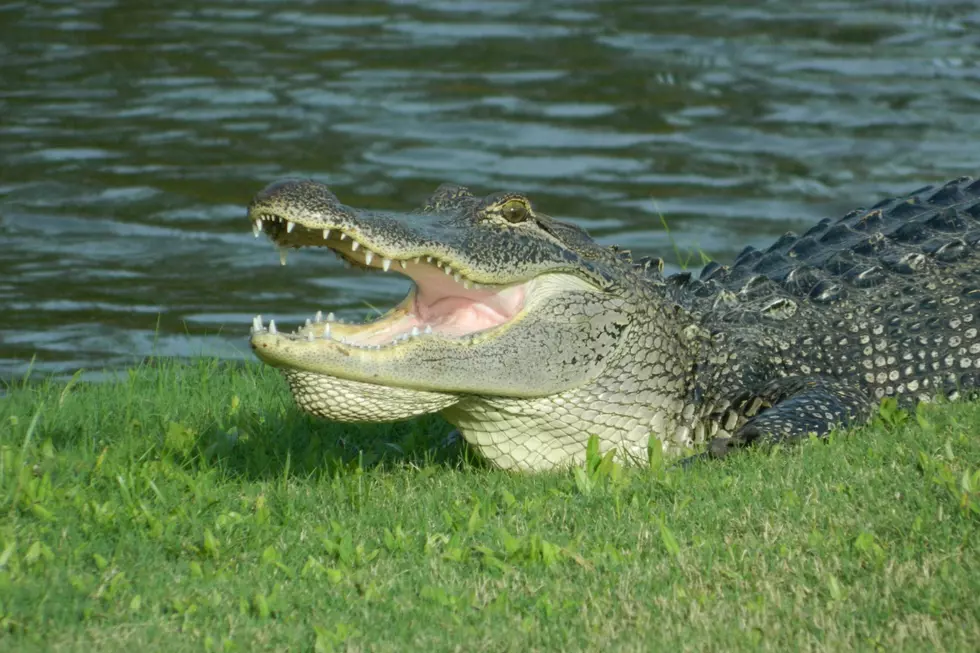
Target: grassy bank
[{"x": 193, "y": 508}]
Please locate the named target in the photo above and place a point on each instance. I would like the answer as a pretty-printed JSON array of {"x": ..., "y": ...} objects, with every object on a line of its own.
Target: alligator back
[
  {"x": 866, "y": 247},
  {"x": 887, "y": 296}
]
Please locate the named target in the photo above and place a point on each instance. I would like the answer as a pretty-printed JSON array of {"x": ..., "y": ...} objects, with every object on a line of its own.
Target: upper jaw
[
  {"x": 359, "y": 249},
  {"x": 301, "y": 213}
]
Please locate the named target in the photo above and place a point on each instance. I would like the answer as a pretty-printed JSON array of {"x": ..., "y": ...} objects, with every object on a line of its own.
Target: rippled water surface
[{"x": 132, "y": 138}]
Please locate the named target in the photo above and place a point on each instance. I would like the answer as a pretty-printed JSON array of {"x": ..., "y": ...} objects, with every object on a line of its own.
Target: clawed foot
[{"x": 717, "y": 448}]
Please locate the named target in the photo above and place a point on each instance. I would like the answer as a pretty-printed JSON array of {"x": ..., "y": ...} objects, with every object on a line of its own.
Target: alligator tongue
[
  {"x": 459, "y": 315},
  {"x": 451, "y": 309},
  {"x": 443, "y": 304}
]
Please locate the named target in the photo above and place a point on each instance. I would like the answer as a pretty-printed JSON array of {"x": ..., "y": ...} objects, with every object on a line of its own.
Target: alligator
[{"x": 530, "y": 337}]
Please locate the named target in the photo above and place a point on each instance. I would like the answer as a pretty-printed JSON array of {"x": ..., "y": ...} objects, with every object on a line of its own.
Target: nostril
[
  {"x": 288, "y": 197},
  {"x": 278, "y": 190},
  {"x": 295, "y": 191}
]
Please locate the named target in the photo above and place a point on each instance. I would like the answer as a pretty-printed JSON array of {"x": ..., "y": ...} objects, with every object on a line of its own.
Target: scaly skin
[{"x": 540, "y": 337}]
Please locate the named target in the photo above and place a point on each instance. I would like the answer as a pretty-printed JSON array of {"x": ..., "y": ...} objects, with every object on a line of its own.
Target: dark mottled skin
[{"x": 883, "y": 302}]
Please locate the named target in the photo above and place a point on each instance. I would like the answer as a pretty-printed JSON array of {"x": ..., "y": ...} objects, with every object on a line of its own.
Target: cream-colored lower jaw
[
  {"x": 399, "y": 326},
  {"x": 488, "y": 362}
]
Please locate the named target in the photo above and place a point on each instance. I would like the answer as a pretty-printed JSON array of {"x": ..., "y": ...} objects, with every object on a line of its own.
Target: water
[{"x": 132, "y": 138}]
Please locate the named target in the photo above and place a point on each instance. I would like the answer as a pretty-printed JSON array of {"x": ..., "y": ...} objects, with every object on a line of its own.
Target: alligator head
[{"x": 511, "y": 316}]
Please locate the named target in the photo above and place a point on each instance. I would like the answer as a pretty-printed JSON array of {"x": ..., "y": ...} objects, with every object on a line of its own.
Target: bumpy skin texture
[{"x": 798, "y": 339}]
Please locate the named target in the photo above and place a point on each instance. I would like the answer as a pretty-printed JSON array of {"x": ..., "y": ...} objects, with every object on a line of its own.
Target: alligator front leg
[{"x": 800, "y": 406}]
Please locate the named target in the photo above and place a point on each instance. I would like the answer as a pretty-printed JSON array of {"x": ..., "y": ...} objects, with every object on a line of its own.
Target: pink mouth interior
[{"x": 443, "y": 304}]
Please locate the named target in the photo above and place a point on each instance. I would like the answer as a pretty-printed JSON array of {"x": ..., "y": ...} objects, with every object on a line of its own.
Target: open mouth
[{"x": 443, "y": 302}]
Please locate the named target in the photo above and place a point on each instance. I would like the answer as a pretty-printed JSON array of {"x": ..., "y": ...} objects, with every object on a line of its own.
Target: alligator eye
[{"x": 514, "y": 211}]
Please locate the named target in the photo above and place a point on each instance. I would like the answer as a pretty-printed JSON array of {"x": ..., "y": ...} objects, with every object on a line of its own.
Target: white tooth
[
  {"x": 415, "y": 331},
  {"x": 272, "y": 327},
  {"x": 282, "y": 256},
  {"x": 368, "y": 257},
  {"x": 290, "y": 226},
  {"x": 354, "y": 245},
  {"x": 308, "y": 323},
  {"x": 309, "y": 336},
  {"x": 403, "y": 264},
  {"x": 448, "y": 270},
  {"x": 330, "y": 317},
  {"x": 318, "y": 317},
  {"x": 456, "y": 277},
  {"x": 257, "y": 320},
  {"x": 395, "y": 341},
  {"x": 428, "y": 259},
  {"x": 466, "y": 284},
  {"x": 343, "y": 340},
  {"x": 257, "y": 228},
  {"x": 326, "y": 331},
  {"x": 386, "y": 264},
  {"x": 326, "y": 234},
  {"x": 428, "y": 328},
  {"x": 343, "y": 235},
  {"x": 417, "y": 259}
]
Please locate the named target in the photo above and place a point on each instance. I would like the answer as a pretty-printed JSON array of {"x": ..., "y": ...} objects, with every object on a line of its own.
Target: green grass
[{"x": 192, "y": 507}]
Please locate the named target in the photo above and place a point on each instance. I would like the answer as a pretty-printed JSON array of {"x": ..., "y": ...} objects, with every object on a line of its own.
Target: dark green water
[{"x": 131, "y": 139}]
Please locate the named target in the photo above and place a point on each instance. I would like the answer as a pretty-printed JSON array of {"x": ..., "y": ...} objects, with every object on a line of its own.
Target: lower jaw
[
  {"x": 406, "y": 321},
  {"x": 411, "y": 363}
]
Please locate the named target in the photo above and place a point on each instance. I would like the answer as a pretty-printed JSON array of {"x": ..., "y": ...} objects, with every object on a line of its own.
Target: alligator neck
[{"x": 646, "y": 390}]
